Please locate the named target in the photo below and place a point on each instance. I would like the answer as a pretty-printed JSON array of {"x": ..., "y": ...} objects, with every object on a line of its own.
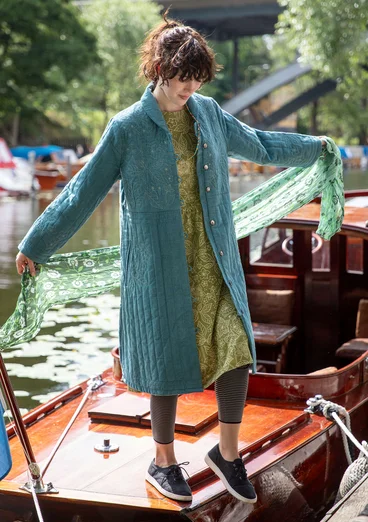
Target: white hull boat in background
[{"x": 16, "y": 176}]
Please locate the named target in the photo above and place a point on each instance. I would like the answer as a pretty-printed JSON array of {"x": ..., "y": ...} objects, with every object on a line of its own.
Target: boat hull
[
  {"x": 296, "y": 475},
  {"x": 298, "y": 488}
]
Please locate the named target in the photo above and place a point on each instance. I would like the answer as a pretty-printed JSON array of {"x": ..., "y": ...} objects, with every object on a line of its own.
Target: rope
[
  {"x": 350, "y": 435},
  {"x": 328, "y": 412},
  {"x": 355, "y": 472},
  {"x": 35, "y": 498},
  {"x": 333, "y": 412},
  {"x": 341, "y": 417},
  {"x": 30, "y": 480}
]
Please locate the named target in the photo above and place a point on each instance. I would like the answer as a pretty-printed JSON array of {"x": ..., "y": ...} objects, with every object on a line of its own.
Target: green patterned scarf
[{"x": 69, "y": 277}]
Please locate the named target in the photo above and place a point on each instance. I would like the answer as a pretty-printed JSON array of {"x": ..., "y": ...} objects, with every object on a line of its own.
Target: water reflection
[{"x": 76, "y": 339}]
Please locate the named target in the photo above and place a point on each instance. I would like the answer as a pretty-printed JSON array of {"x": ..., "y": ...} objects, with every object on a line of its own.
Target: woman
[{"x": 184, "y": 320}]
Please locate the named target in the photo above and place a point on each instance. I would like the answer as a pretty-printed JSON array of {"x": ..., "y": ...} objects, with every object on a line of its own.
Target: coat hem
[{"x": 154, "y": 390}]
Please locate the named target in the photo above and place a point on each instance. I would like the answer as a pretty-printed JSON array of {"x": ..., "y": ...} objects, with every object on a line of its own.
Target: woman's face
[{"x": 176, "y": 93}]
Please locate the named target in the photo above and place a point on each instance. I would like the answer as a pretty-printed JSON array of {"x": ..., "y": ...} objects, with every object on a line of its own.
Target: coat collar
[{"x": 153, "y": 110}]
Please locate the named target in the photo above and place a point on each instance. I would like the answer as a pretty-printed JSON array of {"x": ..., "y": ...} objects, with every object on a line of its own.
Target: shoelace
[
  {"x": 240, "y": 471},
  {"x": 175, "y": 470}
]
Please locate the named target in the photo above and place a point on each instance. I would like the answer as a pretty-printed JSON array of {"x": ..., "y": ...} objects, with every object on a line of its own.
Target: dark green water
[{"x": 75, "y": 340}]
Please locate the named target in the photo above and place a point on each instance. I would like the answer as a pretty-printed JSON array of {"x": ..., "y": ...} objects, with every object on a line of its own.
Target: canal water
[{"x": 76, "y": 339}]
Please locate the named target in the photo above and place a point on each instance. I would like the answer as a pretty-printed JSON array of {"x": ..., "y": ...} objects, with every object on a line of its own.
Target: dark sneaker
[
  {"x": 170, "y": 481},
  {"x": 233, "y": 475}
]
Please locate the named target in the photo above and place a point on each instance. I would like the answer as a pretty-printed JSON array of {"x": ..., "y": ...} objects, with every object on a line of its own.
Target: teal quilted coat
[{"x": 157, "y": 333}]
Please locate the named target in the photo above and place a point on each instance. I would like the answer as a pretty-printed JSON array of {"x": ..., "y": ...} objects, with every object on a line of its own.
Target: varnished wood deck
[
  {"x": 79, "y": 468},
  {"x": 271, "y": 431},
  {"x": 354, "y": 218}
]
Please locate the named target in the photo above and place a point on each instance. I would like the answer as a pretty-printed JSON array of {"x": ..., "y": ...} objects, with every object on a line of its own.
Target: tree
[
  {"x": 112, "y": 83},
  {"x": 43, "y": 46},
  {"x": 331, "y": 35},
  {"x": 254, "y": 64}
]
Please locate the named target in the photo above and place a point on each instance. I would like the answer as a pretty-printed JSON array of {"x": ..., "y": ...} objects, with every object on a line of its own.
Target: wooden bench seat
[
  {"x": 354, "y": 348},
  {"x": 272, "y": 341}
]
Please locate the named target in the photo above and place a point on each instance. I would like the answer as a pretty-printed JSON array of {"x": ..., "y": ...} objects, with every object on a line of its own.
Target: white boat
[{"x": 15, "y": 174}]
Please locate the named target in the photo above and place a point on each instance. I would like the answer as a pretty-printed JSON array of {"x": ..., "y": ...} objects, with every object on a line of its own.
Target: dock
[{"x": 351, "y": 505}]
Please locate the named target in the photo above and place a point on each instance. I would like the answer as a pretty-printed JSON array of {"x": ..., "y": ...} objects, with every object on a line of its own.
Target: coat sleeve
[
  {"x": 281, "y": 149},
  {"x": 73, "y": 206}
]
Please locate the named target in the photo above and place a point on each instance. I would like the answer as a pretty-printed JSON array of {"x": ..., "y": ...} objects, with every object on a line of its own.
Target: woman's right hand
[{"x": 22, "y": 262}]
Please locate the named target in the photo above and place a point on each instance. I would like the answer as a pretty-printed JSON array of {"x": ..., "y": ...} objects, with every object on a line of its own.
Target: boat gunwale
[
  {"x": 356, "y": 374},
  {"x": 39, "y": 412},
  {"x": 295, "y": 223},
  {"x": 73, "y": 496}
]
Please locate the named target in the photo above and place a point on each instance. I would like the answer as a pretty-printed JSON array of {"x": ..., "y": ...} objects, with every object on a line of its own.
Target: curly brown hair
[{"x": 171, "y": 48}]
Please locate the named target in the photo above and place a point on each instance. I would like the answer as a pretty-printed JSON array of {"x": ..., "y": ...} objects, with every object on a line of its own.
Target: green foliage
[
  {"x": 42, "y": 44},
  {"x": 331, "y": 36},
  {"x": 254, "y": 64},
  {"x": 111, "y": 83},
  {"x": 120, "y": 26}
]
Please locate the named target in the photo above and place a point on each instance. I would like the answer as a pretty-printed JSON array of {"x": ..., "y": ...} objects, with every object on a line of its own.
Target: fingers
[
  {"x": 22, "y": 262},
  {"x": 32, "y": 269}
]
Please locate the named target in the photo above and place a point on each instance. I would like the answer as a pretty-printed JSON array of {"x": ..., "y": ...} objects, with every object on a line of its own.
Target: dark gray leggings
[{"x": 231, "y": 391}]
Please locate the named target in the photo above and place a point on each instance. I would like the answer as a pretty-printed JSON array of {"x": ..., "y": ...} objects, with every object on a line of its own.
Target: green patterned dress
[{"x": 221, "y": 339}]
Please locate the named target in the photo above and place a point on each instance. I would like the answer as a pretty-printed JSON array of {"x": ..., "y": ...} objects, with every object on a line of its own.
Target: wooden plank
[
  {"x": 351, "y": 505},
  {"x": 311, "y": 212},
  {"x": 95, "y": 499},
  {"x": 195, "y": 411},
  {"x": 128, "y": 478},
  {"x": 78, "y": 467},
  {"x": 127, "y": 407},
  {"x": 272, "y": 334}
]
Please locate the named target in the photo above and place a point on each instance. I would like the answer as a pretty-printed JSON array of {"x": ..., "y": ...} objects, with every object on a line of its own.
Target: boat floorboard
[{"x": 78, "y": 467}]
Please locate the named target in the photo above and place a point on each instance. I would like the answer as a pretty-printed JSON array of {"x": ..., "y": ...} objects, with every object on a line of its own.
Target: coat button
[
  {"x": 205, "y": 167},
  {"x": 205, "y": 145},
  {"x": 230, "y": 283},
  {"x": 221, "y": 253},
  {"x": 208, "y": 189},
  {"x": 213, "y": 222}
]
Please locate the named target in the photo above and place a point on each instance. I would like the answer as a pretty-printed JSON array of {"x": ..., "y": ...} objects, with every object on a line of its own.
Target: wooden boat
[
  {"x": 304, "y": 299},
  {"x": 15, "y": 174},
  {"x": 56, "y": 173},
  {"x": 49, "y": 175}
]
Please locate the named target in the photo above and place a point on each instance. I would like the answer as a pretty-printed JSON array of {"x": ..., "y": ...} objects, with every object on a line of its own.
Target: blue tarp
[
  {"x": 5, "y": 457},
  {"x": 44, "y": 150},
  {"x": 346, "y": 153}
]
